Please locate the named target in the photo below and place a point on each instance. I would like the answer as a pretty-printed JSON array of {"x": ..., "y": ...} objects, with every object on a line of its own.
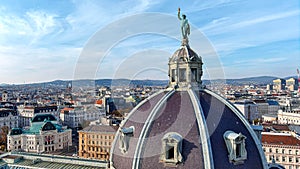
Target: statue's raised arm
[{"x": 185, "y": 27}]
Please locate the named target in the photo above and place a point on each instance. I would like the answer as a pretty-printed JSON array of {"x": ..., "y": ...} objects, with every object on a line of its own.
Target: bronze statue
[{"x": 185, "y": 27}]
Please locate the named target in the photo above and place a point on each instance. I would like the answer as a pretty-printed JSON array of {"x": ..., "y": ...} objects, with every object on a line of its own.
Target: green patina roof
[{"x": 36, "y": 127}]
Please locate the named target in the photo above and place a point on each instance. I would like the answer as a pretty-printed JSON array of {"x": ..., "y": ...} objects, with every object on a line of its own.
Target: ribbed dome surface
[
  {"x": 201, "y": 117},
  {"x": 185, "y": 53}
]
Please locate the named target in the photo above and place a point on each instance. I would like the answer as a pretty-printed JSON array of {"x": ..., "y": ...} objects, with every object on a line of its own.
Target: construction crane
[{"x": 298, "y": 81}]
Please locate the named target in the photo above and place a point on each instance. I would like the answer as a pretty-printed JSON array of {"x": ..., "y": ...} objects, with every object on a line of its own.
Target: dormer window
[
  {"x": 171, "y": 149},
  {"x": 235, "y": 144},
  {"x": 124, "y": 138}
]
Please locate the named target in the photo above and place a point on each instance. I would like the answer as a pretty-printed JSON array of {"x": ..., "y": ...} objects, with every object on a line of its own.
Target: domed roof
[
  {"x": 203, "y": 121},
  {"x": 186, "y": 126},
  {"x": 185, "y": 53}
]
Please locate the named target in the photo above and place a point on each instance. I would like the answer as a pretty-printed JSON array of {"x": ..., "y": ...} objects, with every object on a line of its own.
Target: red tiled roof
[
  {"x": 280, "y": 127},
  {"x": 98, "y": 101},
  {"x": 280, "y": 139},
  {"x": 67, "y": 109}
]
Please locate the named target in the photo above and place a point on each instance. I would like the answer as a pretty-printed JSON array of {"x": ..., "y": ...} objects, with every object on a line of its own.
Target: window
[
  {"x": 182, "y": 75},
  {"x": 170, "y": 153},
  {"x": 173, "y": 75},
  {"x": 235, "y": 144},
  {"x": 124, "y": 138},
  {"x": 194, "y": 74},
  {"x": 171, "y": 148}
]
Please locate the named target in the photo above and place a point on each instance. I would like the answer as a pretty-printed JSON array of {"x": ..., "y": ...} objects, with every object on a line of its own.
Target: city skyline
[{"x": 43, "y": 40}]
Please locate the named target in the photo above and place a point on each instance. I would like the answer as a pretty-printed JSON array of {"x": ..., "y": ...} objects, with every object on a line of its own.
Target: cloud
[
  {"x": 256, "y": 61},
  {"x": 32, "y": 28},
  {"x": 48, "y": 39},
  {"x": 205, "y": 5},
  {"x": 30, "y": 65},
  {"x": 263, "y": 19}
]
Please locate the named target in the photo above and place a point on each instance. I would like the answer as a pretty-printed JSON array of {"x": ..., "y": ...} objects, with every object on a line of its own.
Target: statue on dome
[{"x": 185, "y": 27}]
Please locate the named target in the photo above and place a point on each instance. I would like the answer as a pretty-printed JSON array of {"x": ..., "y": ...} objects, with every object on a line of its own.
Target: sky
[{"x": 52, "y": 39}]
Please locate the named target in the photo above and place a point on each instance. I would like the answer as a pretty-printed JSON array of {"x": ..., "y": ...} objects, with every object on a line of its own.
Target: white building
[
  {"x": 248, "y": 109},
  {"x": 28, "y": 112},
  {"x": 289, "y": 117},
  {"x": 73, "y": 117},
  {"x": 9, "y": 118},
  {"x": 44, "y": 135}
]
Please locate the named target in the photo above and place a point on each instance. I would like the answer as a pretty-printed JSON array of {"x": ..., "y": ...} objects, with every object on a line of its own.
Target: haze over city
[{"x": 43, "y": 40}]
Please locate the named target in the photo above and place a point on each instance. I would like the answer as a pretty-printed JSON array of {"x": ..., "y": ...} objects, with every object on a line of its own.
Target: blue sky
[{"x": 44, "y": 40}]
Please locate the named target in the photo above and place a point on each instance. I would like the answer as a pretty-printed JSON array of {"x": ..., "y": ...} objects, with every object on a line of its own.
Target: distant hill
[
  {"x": 260, "y": 80},
  {"x": 4, "y": 84}
]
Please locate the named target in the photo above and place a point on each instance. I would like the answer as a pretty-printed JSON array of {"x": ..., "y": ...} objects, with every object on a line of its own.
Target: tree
[{"x": 3, "y": 135}]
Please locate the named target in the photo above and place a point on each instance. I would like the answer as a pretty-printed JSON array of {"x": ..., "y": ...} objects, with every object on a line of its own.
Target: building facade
[
  {"x": 72, "y": 117},
  {"x": 28, "y": 112},
  {"x": 248, "y": 109},
  {"x": 9, "y": 118},
  {"x": 289, "y": 117},
  {"x": 279, "y": 84},
  {"x": 283, "y": 148},
  {"x": 292, "y": 84},
  {"x": 95, "y": 141},
  {"x": 267, "y": 106},
  {"x": 44, "y": 135}
]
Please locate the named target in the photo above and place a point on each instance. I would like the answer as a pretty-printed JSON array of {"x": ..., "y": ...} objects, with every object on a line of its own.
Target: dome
[
  {"x": 185, "y": 53},
  {"x": 202, "y": 121},
  {"x": 186, "y": 126}
]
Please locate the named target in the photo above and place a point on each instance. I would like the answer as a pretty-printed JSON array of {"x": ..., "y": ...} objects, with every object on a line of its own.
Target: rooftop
[
  {"x": 29, "y": 160},
  {"x": 43, "y": 117},
  {"x": 280, "y": 139},
  {"x": 100, "y": 128}
]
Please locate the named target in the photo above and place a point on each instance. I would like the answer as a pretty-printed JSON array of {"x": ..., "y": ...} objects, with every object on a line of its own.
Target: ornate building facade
[
  {"x": 44, "y": 135},
  {"x": 9, "y": 118}
]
